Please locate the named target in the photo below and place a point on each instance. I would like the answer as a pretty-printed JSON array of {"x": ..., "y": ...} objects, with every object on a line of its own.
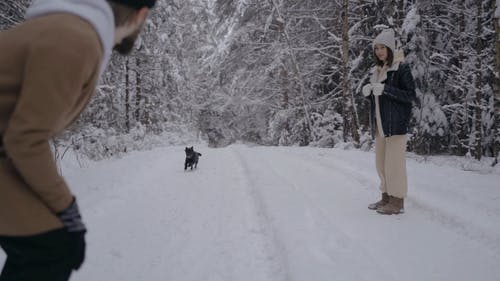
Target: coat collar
[{"x": 375, "y": 70}]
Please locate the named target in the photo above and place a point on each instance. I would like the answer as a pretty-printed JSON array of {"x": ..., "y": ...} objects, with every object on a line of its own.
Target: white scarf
[{"x": 97, "y": 12}]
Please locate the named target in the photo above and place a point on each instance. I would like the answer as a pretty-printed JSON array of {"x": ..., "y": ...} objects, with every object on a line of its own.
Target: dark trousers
[{"x": 49, "y": 256}]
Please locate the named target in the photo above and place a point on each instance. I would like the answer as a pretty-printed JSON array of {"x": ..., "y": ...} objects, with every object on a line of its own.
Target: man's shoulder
[
  {"x": 63, "y": 44},
  {"x": 64, "y": 31}
]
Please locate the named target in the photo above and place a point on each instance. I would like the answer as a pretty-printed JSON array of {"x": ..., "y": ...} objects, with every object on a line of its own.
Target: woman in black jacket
[{"x": 391, "y": 92}]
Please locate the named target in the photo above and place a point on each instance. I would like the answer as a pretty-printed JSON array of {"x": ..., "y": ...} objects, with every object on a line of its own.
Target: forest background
[{"x": 289, "y": 72}]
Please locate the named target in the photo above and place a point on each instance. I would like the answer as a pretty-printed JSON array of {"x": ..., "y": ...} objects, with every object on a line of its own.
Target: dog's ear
[{"x": 192, "y": 147}]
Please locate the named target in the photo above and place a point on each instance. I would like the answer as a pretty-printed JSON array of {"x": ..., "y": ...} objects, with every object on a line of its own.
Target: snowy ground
[{"x": 283, "y": 214}]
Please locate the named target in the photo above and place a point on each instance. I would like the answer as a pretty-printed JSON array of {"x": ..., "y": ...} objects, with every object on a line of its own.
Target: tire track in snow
[
  {"x": 454, "y": 222},
  {"x": 332, "y": 250},
  {"x": 351, "y": 171},
  {"x": 273, "y": 246}
]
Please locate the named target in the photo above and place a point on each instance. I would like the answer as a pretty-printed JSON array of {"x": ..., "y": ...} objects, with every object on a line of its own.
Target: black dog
[{"x": 191, "y": 158}]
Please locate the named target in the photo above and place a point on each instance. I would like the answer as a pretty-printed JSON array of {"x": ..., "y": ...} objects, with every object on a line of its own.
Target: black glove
[{"x": 72, "y": 221}]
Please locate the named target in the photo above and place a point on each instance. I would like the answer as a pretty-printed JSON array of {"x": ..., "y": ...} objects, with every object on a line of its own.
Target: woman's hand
[
  {"x": 378, "y": 89},
  {"x": 367, "y": 90}
]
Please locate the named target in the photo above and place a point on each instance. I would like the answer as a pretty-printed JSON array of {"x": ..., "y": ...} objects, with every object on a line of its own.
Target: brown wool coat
[{"x": 49, "y": 67}]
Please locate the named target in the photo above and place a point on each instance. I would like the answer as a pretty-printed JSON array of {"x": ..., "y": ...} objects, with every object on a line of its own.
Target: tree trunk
[
  {"x": 496, "y": 88},
  {"x": 465, "y": 127},
  {"x": 127, "y": 97},
  {"x": 138, "y": 94},
  {"x": 284, "y": 86},
  {"x": 345, "y": 68},
  {"x": 350, "y": 118},
  {"x": 479, "y": 85}
]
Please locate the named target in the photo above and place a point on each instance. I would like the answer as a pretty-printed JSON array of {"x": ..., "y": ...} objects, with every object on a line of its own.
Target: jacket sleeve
[
  {"x": 53, "y": 79},
  {"x": 406, "y": 93}
]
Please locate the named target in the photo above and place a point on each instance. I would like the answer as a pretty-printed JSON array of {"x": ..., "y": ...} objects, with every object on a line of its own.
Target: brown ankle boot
[
  {"x": 382, "y": 202},
  {"x": 394, "y": 207}
]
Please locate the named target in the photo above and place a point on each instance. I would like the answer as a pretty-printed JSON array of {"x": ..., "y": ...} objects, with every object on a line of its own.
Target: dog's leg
[{"x": 185, "y": 165}]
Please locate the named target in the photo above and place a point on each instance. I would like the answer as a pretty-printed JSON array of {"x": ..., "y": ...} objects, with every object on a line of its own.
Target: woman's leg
[
  {"x": 395, "y": 175},
  {"x": 380, "y": 166},
  {"x": 395, "y": 166},
  {"x": 380, "y": 158}
]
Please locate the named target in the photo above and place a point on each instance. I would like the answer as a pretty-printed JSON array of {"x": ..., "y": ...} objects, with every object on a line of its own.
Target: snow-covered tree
[
  {"x": 12, "y": 12},
  {"x": 287, "y": 72}
]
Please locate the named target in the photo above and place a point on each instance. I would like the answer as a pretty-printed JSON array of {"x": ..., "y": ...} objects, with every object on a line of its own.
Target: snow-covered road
[{"x": 282, "y": 214}]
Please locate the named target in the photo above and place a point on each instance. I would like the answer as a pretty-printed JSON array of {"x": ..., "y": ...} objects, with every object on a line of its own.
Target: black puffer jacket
[{"x": 395, "y": 102}]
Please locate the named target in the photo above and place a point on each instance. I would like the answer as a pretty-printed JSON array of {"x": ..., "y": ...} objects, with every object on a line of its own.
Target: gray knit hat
[
  {"x": 387, "y": 38},
  {"x": 136, "y": 4}
]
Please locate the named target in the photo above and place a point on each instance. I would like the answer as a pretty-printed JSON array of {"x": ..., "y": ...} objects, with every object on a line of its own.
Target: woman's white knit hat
[{"x": 387, "y": 38}]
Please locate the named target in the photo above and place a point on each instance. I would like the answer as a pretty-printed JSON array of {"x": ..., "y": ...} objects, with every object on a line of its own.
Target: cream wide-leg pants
[{"x": 390, "y": 158}]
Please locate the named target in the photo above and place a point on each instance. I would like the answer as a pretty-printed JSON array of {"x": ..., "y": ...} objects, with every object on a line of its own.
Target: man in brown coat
[{"x": 49, "y": 67}]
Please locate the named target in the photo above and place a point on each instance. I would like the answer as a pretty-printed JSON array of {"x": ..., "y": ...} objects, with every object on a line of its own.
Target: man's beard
[{"x": 126, "y": 46}]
